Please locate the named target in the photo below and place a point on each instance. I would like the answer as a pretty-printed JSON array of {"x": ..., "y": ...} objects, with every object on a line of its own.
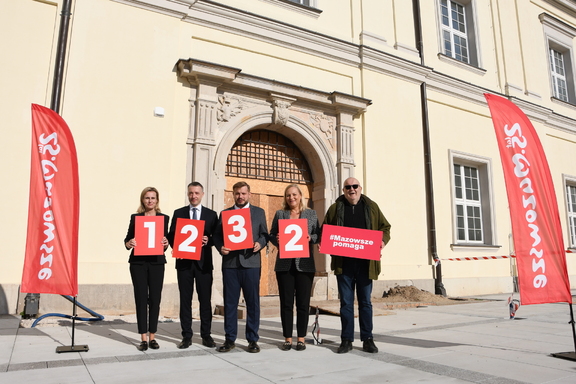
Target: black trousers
[
  {"x": 186, "y": 279},
  {"x": 147, "y": 280},
  {"x": 294, "y": 284}
]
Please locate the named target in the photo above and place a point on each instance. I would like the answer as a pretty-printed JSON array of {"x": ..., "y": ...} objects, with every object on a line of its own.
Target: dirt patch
[
  {"x": 399, "y": 297},
  {"x": 412, "y": 294}
]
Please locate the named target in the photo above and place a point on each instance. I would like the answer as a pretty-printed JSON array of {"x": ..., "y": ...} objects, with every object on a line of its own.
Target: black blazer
[
  {"x": 153, "y": 259},
  {"x": 244, "y": 257},
  {"x": 210, "y": 219}
]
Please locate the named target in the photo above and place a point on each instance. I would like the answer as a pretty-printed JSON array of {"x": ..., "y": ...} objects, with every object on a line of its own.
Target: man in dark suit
[
  {"x": 200, "y": 271},
  {"x": 241, "y": 272}
]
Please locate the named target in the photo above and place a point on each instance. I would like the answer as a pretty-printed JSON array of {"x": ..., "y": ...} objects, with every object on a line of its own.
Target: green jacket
[{"x": 374, "y": 220}]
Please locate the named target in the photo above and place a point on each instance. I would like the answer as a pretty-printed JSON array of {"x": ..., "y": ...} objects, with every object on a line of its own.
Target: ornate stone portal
[{"x": 224, "y": 103}]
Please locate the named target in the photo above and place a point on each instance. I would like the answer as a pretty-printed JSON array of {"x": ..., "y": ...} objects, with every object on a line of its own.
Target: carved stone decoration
[
  {"x": 281, "y": 113},
  {"x": 228, "y": 107},
  {"x": 325, "y": 125}
]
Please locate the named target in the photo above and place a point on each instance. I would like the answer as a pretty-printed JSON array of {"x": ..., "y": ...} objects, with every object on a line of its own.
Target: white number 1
[{"x": 151, "y": 232}]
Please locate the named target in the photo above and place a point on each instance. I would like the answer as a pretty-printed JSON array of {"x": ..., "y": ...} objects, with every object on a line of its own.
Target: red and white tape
[
  {"x": 490, "y": 257},
  {"x": 479, "y": 258}
]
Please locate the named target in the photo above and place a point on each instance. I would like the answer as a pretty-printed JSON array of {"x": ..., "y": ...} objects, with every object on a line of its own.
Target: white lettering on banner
[
  {"x": 49, "y": 171},
  {"x": 349, "y": 242},
  {"x": 522, "y": 170}
]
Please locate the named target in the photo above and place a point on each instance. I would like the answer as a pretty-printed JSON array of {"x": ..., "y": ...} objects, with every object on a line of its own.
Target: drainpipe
[
  {"x": 60, "y": 56},
  {"x": 438, "y": 285},
  {"x": 32, "y": 300}
]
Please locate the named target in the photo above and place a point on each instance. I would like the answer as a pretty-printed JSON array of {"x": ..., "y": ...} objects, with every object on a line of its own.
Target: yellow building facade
[{"x": 164, "y": 92}]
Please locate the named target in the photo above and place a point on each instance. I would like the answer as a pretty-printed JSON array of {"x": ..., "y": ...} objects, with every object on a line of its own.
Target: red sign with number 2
[
  {"x": 148, "y": 233},
  {"x": 188, "y": 239},
  {"x": 237, "y": 229},
  {"x": 293, "y": 238}
]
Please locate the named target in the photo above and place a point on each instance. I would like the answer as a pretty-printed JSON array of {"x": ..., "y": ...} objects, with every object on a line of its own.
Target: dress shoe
[
  {"x": 253, "y": 347},
  {"x": 227, "y": 346},
  {"x": 154, "y": 344},
  {"x": 345, "y": 346},
  {"x": 286, "y": 346},
  {"x": 300, "y": 346},
  {"x": 208, "y": 341},
  {"x": 369, "y": 346},
  {"x": 143, "y": 346},
  {"x": 185, "y": 343}
]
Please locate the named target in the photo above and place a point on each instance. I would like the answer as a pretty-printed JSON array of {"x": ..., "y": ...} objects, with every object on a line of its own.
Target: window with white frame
[
  {"x": 458, "y": 34},
  {"x": 303, "y": 2},
  {"x": 558, "y": 72},
  {"x": 559, "y": 36},
  {"x": 571, "y": 204},
  {"x": 472, "y": 201}
]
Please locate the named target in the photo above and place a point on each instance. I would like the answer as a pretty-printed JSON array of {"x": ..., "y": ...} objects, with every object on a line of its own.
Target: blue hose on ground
[{"x": 97, "y": 316}]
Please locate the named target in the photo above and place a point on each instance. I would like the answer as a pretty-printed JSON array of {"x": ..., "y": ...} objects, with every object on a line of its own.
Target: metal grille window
[
  {"x": 557, "y": 69},
  {"x": 454, "y": 30},
  {"x": 571, "y": 200},
  {"x": 468, "y": 204},
  {"x": 267, "y": 155}
]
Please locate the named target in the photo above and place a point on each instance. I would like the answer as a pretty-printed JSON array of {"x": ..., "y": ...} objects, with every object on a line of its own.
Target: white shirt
[{"x": 198, "y": 212}]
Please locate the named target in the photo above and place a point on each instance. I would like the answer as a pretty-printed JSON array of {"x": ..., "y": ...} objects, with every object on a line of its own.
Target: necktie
[{"x": 194, "y": 214}]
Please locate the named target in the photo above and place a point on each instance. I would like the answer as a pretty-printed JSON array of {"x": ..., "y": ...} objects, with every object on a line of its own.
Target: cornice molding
[
  {"x": 568, "y": 6},
  {"x": 233, "y": 78},
  {"x": 295, "y": 7},
  {"x": 228, "y": 19}
]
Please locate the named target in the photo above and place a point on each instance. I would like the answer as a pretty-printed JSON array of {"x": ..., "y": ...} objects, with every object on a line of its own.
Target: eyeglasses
[{"x": 355, "y": 186}]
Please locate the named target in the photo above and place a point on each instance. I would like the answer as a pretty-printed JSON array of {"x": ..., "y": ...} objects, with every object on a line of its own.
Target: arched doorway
[{"x": 268, "y": 161}]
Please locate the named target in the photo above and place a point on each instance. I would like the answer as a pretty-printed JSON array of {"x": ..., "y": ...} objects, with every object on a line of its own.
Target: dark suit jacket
[
  {"x": 210, "y": 219},
  {"x": 245, "y": 257},
  {"x": 154, "y": 259}
]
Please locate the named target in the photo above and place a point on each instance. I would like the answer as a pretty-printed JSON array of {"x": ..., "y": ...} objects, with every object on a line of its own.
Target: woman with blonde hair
[
  {"x": 147, "y": 272},
  {"x": 295, "y": 276}
]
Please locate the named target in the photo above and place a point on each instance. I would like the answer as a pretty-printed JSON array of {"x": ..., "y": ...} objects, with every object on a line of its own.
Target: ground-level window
[{"x": 472, "y": 200}]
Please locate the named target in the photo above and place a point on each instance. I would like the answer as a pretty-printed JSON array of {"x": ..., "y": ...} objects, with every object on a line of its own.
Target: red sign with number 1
[
  {"x": 188, "y": 239},
  {"x": 293, "y": 238},
  {"x": 237, "y": 229},
  {"x": 148, "y": 233}
]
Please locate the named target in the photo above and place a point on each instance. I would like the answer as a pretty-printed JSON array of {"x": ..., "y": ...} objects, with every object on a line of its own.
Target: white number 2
[
  {"x": 151, "y": 232},
  {"x": 185, "y": 245},
  {"x": 291, "y": 245},
  {"x": 239, "y": 220}
]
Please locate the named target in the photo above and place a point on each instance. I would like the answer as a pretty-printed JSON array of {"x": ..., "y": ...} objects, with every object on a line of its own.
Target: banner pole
[
  {"x": 569, "y": 355},
  {"x": 72, "y": 348}
]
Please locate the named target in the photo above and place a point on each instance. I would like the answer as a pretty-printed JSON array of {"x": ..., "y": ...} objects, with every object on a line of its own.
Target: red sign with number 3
[
  {"x": 188, "y": 239},
  {"x": 293, "y": 238},
  {"x": 148, "y": 233},
  {"x": 237, "y": 229}
]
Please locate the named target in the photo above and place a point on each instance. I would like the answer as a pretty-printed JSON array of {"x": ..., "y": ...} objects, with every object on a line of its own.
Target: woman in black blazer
[
  {"x": 295, "y": 276},
  {"x": 147, "y": 272}
]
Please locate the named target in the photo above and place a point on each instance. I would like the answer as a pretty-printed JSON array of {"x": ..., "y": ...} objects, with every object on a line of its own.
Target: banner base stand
[
  {"x": 565, "y": 355},
  {"x": 72, "y": 348}
]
